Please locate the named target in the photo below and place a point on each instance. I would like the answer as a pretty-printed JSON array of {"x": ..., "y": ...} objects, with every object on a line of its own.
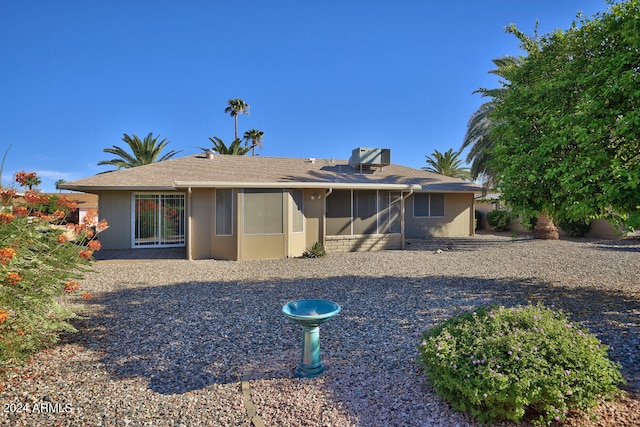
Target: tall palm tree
[
  {"x": 236, "y": 107},
  {"x": 142, "y": 152},
  {"x": 255, "y": 136},
  {"x": 447, "y": 164},
  {"x": 478, "y": 135},
  {"x": 235, "y": 148}
]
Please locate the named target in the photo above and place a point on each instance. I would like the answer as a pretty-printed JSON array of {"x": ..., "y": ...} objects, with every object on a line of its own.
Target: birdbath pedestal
[{"x": 310, "y": 314}]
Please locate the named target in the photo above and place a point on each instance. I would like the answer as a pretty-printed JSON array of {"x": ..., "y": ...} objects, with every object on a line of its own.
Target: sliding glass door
[{"x": 158, "y": 220}]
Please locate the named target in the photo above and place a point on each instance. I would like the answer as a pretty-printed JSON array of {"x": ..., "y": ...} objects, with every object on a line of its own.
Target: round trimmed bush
[{"x": 507, "y": 363}]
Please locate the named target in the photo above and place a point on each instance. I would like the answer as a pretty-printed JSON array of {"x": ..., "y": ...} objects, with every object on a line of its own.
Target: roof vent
[
  {"x": 210, "y": 153},
  {"x": 366, "y": 158}
]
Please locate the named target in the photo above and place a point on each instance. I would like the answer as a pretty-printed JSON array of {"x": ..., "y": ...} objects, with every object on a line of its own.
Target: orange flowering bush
[
  {"x": 71, "y": 286},
  {"x": 6, "y": 218},
  {"x": 13, "y": 278},
  {"x": 38, "y": 264},
  {"x": 6, "y": 255},
  {"x": 6, "y": 196}
]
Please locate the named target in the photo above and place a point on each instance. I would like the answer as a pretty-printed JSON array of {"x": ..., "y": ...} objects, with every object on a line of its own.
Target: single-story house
[{"x": 257, "y": 207}]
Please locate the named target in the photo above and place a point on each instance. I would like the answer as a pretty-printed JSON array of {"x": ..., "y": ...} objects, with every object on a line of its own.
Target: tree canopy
[
  {"x": 255, "y": 137},
  {"x": 235, "y": 148},
  {"x": 142, "y": 152},
  {"x": 447, "y": 163},
  {"x": 234, "y": 108},
  {"x": 478, "y": 135},
  {"x": 566, "y": 129}
]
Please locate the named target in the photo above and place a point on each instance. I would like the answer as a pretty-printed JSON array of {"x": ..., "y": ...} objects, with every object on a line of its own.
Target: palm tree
[
  {"x": 478, "y": 135},
  {"x": 235, "y": 148},
  {"x": 58, "y": 184},
  {"x": 255, "y": 136},
  {"x": 28, "y": 179},
  {"x": 236, "y": 107},
  {"x": 142, "y": 152},
  {"x": 447, "y": 164}
]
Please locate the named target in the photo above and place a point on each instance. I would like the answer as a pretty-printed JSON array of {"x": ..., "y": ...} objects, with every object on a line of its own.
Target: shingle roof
[{"x": 261, "y": 171}]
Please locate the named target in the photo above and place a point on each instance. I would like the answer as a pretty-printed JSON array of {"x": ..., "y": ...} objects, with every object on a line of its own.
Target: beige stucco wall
[
  {"x": 200, "y": 206},
  {"x": 313, "y": 213},
  {"x": 115, "y": 207},
  {"x": 457, "y": 220}
]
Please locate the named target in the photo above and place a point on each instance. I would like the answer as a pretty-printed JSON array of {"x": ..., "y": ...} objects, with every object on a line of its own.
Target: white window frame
[{"x": 158, "y": 241}]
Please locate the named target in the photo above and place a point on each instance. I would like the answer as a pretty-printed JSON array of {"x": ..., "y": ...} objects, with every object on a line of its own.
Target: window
[
  {"x": 297, "y": 217},
  {"x": 428, "y": 205},
  {"x": 159, "y": 220},
  {"x": 436, "y": 204},
  {"x": 224, "y": 212},
  {"x": 421, "y": 205},
  {"x": 263, "y": 211}
]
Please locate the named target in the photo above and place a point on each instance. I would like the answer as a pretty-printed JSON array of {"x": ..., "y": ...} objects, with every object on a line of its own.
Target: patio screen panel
[
  {"x": 389, "y": 203},
  {"x": 365, "y": 210},
  {"x": 339, "y": 213}
]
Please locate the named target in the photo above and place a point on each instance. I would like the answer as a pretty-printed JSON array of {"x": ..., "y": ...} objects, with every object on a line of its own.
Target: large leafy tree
[
  {"x": 234, "y": 108},
  {"x": 448, "y": 163},
  {"x": 142, "y": 152},
  {"x": 235, "y": 148},
  {"x": 566, "y": 128},
  {"x": 255, "y": 137}
]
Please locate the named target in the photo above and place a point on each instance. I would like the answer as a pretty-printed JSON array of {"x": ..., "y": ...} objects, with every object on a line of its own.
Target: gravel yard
[{"x": 167, "y": 343}]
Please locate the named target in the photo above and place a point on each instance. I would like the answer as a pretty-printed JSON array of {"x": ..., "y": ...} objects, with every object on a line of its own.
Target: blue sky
[{"x": 321, "y": 77}]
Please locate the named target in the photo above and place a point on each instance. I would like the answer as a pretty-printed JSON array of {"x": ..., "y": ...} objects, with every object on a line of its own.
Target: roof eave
[
  {"x": 294, "y": 184},
  {"x": 96, "y": 188}
]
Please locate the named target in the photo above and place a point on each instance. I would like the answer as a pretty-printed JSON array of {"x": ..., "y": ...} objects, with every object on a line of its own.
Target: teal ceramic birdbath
[{"x": 310, "y": 314}]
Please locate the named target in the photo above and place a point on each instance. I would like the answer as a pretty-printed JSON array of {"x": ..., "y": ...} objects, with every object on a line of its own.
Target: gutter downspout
[
  {"x": 324, "y": 217},
  {"x": 189, "y": 252},
  {"x": 402, "y": 221}
]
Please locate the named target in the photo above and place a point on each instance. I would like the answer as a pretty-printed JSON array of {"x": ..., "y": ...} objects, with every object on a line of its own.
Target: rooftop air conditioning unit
[{"x": 367, "y": 158}]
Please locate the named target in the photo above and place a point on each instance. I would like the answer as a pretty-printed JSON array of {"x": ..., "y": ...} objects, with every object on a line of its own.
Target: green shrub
[
  {"x": 574, "y": 228},
  {"x": 499, "y": 219},
  {"x": 315, "y": 251},
  {"x": 504, "y": 363}
]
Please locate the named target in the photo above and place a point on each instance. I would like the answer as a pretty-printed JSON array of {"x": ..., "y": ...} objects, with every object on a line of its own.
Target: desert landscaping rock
[{"x": 167, "y": 343}]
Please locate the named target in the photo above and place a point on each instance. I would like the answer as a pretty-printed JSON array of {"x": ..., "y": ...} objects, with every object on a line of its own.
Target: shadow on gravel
[{"x": 188, "y": 336}]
